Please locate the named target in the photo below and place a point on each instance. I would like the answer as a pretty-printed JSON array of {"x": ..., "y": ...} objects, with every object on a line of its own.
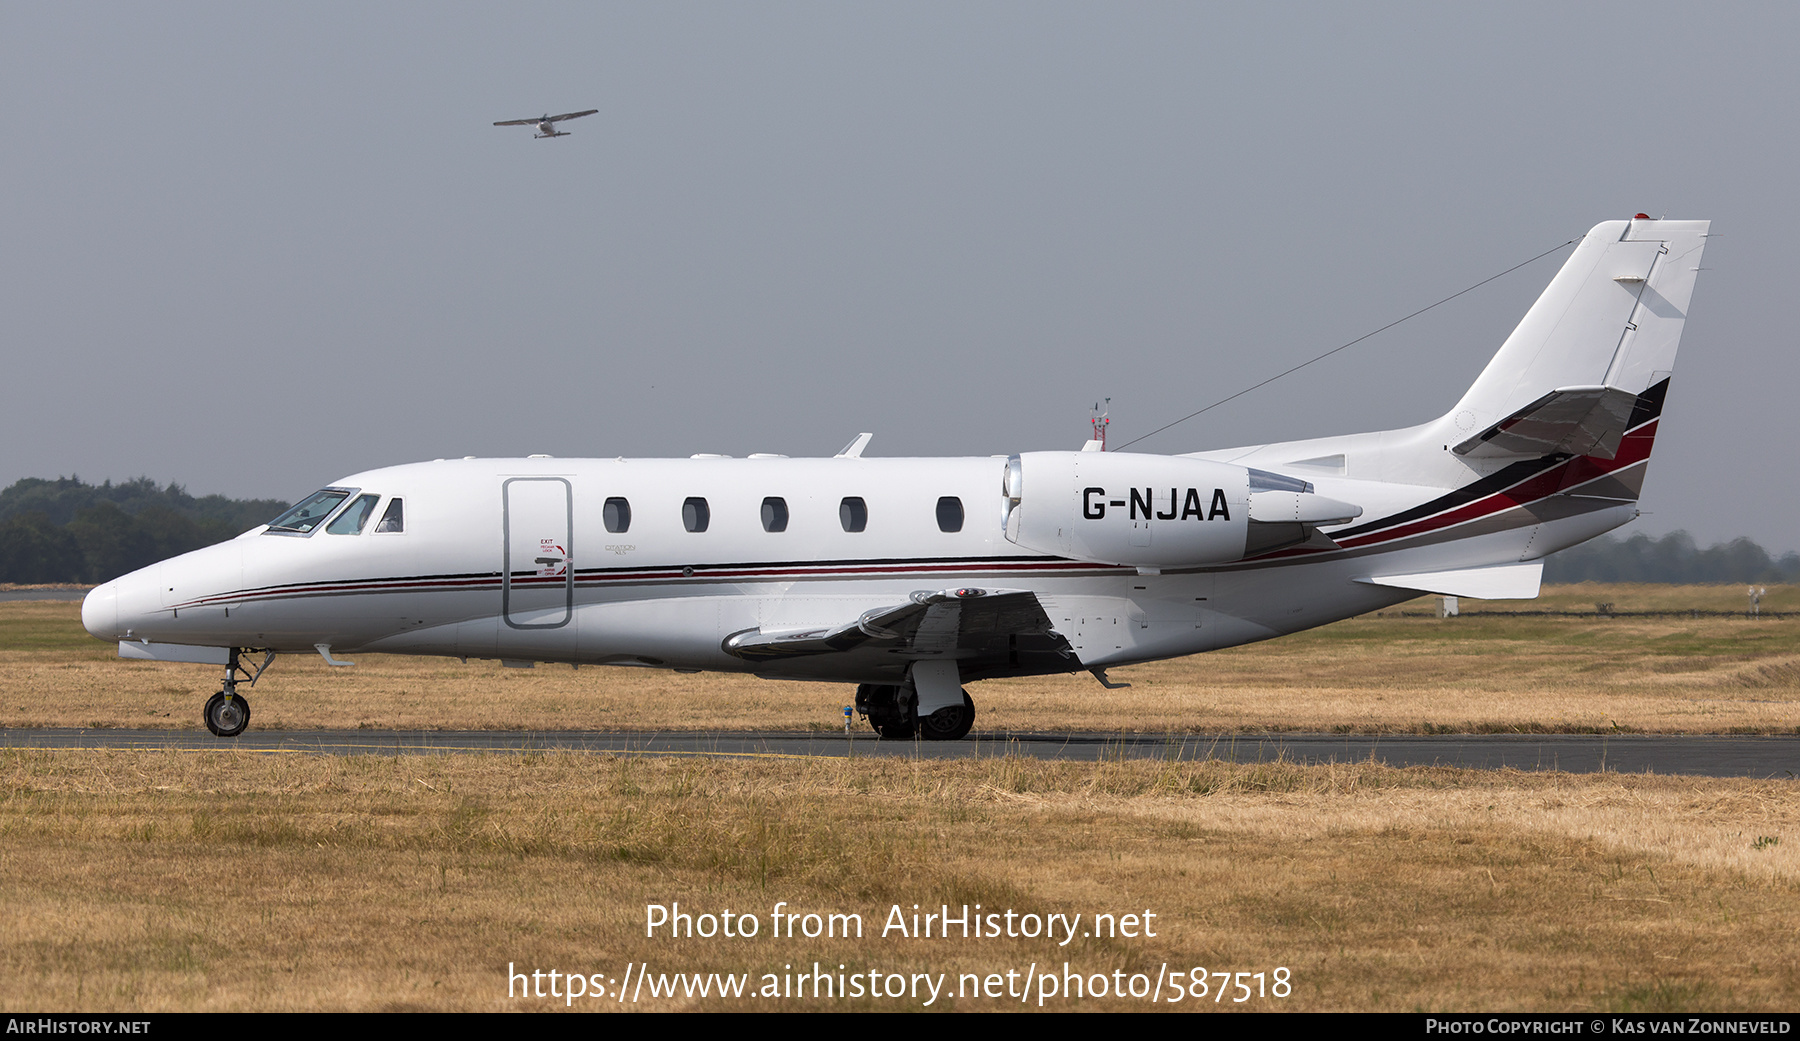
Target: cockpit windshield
[
  {"x": 354, "y": 517},
  {"x": 312, "y": 510}
]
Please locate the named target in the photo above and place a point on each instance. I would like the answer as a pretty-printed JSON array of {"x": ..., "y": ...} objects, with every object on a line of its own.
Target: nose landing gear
[{"x": 227, "y": 713}]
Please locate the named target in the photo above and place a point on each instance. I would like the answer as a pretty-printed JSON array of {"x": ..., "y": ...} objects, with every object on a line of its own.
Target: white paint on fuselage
[{"x": 433, "y": 589}]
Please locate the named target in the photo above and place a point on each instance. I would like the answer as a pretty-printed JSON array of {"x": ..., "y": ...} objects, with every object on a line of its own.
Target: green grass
[{"x": 49, "y": 625}]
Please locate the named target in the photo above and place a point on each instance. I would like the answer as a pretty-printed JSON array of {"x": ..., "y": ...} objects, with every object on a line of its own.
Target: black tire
[
  {"x": 895, "y": 731},
  {"x": 950, "y": 723},
  {"x": 881, "y": 704},
  {"x": 226, "y": 717}
]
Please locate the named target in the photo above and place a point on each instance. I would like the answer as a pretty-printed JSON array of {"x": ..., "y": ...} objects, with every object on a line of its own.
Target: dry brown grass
[
  {"x": 157, "y": 881},
  {"x": 1375, "y": 674},
  {"x": 161, "y": 881}
]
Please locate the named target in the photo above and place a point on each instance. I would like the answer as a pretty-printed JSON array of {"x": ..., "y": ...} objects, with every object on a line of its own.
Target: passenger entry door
[{"x": 537, "y": 586}]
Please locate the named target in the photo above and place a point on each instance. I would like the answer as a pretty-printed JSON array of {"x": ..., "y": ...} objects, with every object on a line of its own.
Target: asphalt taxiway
[{"x": 1704, "y": 755}]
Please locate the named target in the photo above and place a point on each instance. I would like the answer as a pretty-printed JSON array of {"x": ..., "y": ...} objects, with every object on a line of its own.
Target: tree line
[
  {"x": 1674, "y": 558},
  {"x": 66, "y": 530}
]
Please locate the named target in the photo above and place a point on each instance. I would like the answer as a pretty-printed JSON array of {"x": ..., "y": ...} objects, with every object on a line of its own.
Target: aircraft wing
[
  {"x": 518, "y": 122},
  {"x": 1575, "y": 420},
  {"x": 565, "y": 115},
  {"x": 988, "y": 632}
]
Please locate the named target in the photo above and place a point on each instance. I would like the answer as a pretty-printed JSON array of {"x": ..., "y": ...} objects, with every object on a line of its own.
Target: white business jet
[{"x": 912, "y": 577}]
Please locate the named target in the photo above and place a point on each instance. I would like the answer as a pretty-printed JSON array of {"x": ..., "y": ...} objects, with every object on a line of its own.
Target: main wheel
[
  {"x": 881, "y": 704},
  {"x": 950, "y": 723},
  {"x": 226, "y": 716},
  {"x": 895, "y": 730}
]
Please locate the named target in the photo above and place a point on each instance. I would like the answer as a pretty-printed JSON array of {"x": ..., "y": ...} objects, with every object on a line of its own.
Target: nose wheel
[{"x": 226, "y": 714}]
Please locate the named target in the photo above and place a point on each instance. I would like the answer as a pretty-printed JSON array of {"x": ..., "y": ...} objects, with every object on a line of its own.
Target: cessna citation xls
[{"x": 911, "y": 577}]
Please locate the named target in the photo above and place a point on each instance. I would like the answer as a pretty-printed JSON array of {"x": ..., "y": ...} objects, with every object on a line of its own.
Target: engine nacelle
[{"x": 1156, "y": 511}]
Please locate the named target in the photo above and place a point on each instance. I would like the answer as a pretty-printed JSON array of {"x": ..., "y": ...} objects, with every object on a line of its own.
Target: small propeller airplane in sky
[
  {"x": 911, "y": 577},
  {"x": 546, "y": 124}
]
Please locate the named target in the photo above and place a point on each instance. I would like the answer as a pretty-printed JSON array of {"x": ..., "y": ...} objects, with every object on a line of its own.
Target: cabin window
[
  {"x": 950, "y": 513},
  {"x": 393, "y": 519},
  {"x": 853, "y": 513},
  {"x": 774, "y": 514},
  {"x": 695, "y": 515},
  {"x": 617, "y": 515},
  {"x": 354, "y": 517},
  {"x": 306, "y": 516}
]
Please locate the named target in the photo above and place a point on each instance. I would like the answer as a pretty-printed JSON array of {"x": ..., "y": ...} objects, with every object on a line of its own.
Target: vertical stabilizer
[{"x": 1609, "y": 322}]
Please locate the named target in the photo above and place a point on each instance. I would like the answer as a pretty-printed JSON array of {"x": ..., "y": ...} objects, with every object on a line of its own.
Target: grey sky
[{"x": 252, "y": 248}]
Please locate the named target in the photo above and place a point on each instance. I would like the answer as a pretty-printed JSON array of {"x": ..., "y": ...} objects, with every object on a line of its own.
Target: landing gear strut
[
  {"x": 227, "y": 713},
  {"x": 892, "y": 712},
  {"x": 888, "y": 709}
]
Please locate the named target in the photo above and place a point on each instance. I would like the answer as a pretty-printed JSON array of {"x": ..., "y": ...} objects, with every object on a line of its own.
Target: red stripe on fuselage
[
  {"x": 702, "y": 573},
  {"x": 1634, "y": 448}
]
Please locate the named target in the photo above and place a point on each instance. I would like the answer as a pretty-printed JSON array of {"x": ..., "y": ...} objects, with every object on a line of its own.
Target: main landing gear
[
  {"x": 891, "y": 711},
  {"x": 227, "y": 713}
]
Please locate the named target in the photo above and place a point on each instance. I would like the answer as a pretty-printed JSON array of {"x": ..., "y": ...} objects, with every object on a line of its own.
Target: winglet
[{"x": 854, "y": 449}]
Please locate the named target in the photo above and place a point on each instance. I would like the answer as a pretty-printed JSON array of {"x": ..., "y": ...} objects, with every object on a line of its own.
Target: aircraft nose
[{"x": 100, "y": 611}]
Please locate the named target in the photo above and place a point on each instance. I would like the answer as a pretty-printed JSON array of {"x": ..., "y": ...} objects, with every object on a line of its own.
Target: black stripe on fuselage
[
  {"x": 870, "y": 568},
  {"x": 1498, "y": 481},
  {"x": 1649, "y": 405}
]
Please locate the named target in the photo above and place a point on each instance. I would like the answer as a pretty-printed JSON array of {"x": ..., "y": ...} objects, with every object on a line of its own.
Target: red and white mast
[{"x": 1098, "y": 419}]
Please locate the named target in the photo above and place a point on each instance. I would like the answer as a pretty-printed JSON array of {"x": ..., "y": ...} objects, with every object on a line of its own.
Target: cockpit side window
[
  {"x": 393, "y": 519},
  {"x": 310, "y": 513},
  {"x": 354, "y": 517}
]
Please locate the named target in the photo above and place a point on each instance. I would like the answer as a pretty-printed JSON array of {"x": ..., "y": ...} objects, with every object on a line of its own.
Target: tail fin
[{"x": 1595, "y": 347}]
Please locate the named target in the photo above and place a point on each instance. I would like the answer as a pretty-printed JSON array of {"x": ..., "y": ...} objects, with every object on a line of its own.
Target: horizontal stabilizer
[
  {"x": 1571, "y": 420},
  {"x": 1501, "y": 582}
]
